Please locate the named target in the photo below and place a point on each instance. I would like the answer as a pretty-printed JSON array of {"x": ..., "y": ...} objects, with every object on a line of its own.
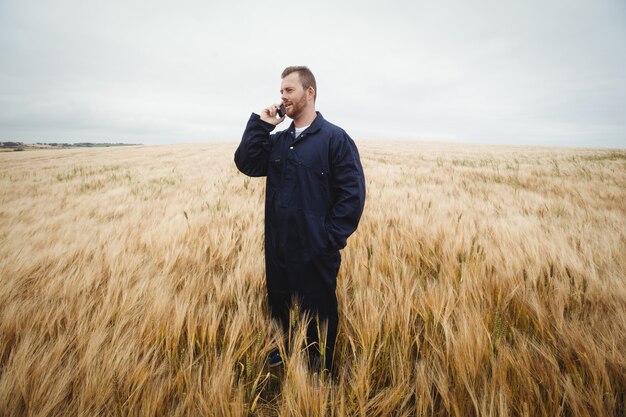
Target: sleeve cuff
[{"x": 257, "y": 119}]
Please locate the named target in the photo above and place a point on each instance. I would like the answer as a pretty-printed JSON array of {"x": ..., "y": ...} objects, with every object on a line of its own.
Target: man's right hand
[{"x": 269, "y": 115}]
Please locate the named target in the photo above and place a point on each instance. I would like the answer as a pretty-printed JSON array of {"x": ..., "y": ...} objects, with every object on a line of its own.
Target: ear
[{"x": 310, "y": 93}]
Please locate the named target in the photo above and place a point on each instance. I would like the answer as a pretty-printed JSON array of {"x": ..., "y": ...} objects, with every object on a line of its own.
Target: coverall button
[{"x": 291, "y": 147}]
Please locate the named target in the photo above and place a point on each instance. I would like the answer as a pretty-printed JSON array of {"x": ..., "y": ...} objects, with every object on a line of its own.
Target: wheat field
[{"x": 482, "y": 281}]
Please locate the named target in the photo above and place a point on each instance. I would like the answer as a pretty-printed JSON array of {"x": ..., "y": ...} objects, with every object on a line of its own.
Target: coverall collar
[{"x": 317, "y": 124}]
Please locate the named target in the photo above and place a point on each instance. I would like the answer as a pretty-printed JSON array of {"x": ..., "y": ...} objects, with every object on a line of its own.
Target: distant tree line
[
  {"x": 16, "y": 145},
  {"x": 11, "y": 144}
]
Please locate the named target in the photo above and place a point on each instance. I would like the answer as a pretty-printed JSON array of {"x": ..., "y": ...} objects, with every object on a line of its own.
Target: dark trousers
[{"x": 312, "y": 282}]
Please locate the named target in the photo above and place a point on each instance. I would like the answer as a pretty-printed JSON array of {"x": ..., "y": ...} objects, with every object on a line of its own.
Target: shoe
[{"x": 275, "y": 359}]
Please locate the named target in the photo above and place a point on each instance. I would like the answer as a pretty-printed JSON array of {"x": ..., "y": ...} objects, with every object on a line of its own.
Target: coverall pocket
[
  {"x": 318, "y": 238},
  {"x": 274, "y": 170},
  {"x": 312, "y": 193}
]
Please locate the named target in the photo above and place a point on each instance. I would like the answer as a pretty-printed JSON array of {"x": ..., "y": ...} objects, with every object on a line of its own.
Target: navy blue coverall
[{"x": 315, "y": 194}]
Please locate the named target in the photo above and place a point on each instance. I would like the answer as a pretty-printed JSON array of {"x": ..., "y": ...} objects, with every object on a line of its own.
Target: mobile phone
[{"x": 281, "y": 110}]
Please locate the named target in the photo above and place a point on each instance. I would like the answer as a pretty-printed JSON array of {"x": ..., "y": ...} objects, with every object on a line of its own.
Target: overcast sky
[{"x": 536, "y": 72}]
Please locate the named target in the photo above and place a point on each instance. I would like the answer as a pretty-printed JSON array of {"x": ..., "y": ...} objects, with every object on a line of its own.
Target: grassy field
[{"x": 483, "y": 281}]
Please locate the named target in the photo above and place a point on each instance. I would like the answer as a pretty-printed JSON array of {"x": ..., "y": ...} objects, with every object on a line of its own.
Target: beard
[{"x": 296, "y": 107}]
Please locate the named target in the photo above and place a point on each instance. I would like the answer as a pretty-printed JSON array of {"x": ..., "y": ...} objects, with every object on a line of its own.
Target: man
[{"x": 315, "y": 193}]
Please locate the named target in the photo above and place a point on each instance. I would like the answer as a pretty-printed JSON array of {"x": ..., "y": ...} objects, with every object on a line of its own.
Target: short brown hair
[{"x": 307, "y": 79}]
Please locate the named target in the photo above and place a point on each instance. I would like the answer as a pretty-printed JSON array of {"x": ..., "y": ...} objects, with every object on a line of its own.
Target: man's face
[{"x": 293, "y": 95}]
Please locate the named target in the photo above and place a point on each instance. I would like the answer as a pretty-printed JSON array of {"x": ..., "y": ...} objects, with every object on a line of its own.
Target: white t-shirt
[{"x": 299, "y": 130}]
